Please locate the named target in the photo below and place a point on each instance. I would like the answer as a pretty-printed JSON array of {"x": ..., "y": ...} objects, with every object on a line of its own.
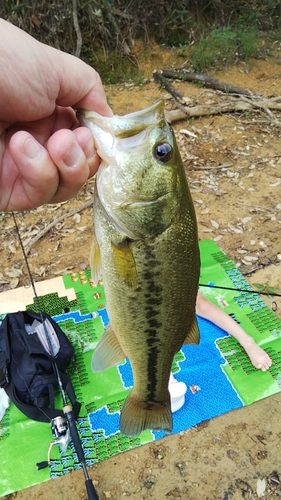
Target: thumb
[{"x": 80, "y": 85}]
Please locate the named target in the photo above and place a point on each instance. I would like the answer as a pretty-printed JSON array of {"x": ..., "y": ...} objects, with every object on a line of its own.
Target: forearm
[{"x": 213, "y": 313}]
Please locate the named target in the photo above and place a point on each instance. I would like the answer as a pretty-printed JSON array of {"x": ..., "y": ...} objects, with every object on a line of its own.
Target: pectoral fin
[
  {"x": 124, "y": 262},
  {"x": 95, "y": 261},
  {"x": 193, "y": 336},
  {"x": 108, "y": 352}
]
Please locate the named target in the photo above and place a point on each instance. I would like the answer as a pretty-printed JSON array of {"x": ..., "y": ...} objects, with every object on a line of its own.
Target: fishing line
[
  {"x": 240, "y": 290},
  {"x": 67, "y": 408}
]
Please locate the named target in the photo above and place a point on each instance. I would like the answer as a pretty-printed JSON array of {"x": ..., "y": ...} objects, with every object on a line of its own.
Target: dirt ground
[{"x": 233, "y": 163}]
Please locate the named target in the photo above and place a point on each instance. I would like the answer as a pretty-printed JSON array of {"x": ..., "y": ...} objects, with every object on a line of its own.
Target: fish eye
[{"x": 163, "y": 152}]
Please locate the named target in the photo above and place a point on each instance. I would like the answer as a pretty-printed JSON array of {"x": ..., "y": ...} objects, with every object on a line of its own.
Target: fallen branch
[
  {"x": 241, "y": 100},
  {"x": 208, "y": 81},
  {"x": 206, "y": 110},
  {"x": 231, "y": 105},
  {"x": 49, "y": 226},
  {"x": 158, "y": 77}
]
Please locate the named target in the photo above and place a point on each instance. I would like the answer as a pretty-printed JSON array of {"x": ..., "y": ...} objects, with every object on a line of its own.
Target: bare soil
[{"x": 233, "y": 163}]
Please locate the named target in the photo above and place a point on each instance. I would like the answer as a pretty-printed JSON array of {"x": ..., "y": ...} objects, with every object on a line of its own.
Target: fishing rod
[{"x": 67, "y": 408}]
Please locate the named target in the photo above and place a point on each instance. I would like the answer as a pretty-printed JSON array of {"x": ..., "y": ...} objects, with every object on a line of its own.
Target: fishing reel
[
  {"x": 61, "y": 438},
  {"x": 59, "y": 428}
]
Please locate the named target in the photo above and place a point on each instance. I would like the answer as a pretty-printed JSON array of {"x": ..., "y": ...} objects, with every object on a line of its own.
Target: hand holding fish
[{"x": 45, "y": 155}]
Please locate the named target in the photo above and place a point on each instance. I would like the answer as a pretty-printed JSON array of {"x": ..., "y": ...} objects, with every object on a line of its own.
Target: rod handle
[{"x": 92, "y": 494}]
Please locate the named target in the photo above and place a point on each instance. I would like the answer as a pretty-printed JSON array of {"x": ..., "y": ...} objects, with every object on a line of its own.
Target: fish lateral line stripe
[{"x": 152, "y": 373}]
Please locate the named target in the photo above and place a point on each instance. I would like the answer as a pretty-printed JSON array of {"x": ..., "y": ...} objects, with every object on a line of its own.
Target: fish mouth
[{"x": 124, "y": 126}]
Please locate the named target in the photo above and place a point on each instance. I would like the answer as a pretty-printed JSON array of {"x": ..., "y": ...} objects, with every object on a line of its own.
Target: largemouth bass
[{"x": 146, "y": 248}]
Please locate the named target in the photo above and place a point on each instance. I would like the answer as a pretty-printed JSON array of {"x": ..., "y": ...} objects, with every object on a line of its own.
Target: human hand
[{"x": 45, "y": 155}]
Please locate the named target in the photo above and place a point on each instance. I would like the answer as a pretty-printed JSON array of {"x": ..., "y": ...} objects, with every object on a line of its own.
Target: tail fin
[{"x": 135, "y": 418}]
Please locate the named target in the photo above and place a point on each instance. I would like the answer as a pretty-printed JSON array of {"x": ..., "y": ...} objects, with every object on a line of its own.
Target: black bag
[{"x": 27, "y": 370}]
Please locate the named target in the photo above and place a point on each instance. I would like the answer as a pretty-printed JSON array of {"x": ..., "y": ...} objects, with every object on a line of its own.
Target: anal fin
[
  {"x": 193, "y": 336},
  {"x": 108, "y": 352}
]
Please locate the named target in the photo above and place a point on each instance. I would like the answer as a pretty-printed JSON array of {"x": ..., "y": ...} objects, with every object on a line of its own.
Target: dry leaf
[
  {"x": 3, "y": 280},
  {"x": 40, "y": 271},
  {"x": 235, "y": 229},
  {"x": 77, "y": 218},
  {"x": 261, "y": 487},
  {"x": 63, "y": 271},
  {"x": 12, "y": 248},
  {"x": 276, "y": 183},
  {"x": 33, "y": 252},
  {"x": 245, "y": 262},
  {"x": 215, "y": 224},
  {"x": 14, "y": 273},
  {"x": 229, "y": 173},
  {"x": 186, "y": 100},
  {"x": 246, "y": 219},
  {"x": 14, "y": 283},
  {"x": 220, "y": 192},
  {"x": 187, "y": 132},
  {"x": 35, "y": 21}
]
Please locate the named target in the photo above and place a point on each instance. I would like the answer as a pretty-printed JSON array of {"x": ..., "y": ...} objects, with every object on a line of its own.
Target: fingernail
[
  {"x": 32, "y": 149},
  {"x": 73, "y": 155},
  {"x": 90, "y": 150}
]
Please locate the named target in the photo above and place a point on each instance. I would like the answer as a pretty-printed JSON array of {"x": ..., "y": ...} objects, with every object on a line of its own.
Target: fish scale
[{"x": 146, "y": 247}]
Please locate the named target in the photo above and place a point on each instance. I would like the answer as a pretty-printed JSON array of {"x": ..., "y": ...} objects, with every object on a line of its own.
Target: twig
[
  {"x": 77, "y": 29},
  {"x": 49, "y": 226},
  {"x": 158, "y": 77},
  {"x": 262, "y": 105},
  {"x": 208, "y": 81},
  {"x": 210, "y": 167},
  {"x": 263, "y": 209}
]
